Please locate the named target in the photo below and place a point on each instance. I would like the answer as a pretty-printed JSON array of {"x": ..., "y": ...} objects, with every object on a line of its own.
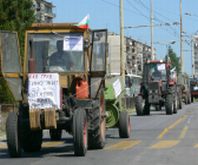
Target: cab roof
[{"x": 56, "y": 26}]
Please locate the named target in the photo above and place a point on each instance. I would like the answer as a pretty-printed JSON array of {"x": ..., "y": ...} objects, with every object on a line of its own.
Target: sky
[{"x": 105, "y": 14}]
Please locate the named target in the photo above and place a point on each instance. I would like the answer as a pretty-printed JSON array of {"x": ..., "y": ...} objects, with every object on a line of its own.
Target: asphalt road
[{"x": 157, "y": 139}]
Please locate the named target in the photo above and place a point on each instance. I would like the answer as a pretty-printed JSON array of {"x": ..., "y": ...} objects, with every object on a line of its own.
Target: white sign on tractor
[{"x": 43, "y": 90}]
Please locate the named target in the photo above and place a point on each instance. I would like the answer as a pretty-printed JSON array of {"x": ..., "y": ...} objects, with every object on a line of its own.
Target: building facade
[
  {"x": 135, "y": 51},
  {"x": 195, "y": 56},
  {"x": 43, "y": 11}
]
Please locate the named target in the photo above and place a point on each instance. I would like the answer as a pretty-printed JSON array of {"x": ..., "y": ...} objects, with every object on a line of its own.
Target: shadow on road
[{"x": 64, "y": 150}]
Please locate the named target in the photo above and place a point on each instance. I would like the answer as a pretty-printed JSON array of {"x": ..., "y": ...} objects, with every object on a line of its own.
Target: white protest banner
[
  {"x": 73, "y": 43},
  {"x": 161, "y": 67},
  {"x": 117, "y": 87},
  {"x": 43, "y": 90}
]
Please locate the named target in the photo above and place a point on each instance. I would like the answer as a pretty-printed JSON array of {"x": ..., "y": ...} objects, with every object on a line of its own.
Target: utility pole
[
  {"x": 192, "y": 55},
  {"x": 151, "y": 24},
  {"x": 122, "y": 52},
  {"x": 181, "y": 40}
]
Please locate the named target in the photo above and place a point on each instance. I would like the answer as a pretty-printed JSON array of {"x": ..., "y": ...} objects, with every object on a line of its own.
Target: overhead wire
[{"x": 137, "y": 11}]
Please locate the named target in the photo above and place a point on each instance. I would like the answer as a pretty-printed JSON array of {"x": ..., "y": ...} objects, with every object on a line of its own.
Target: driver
[
  {"x": 156, "y": 74},
  {"x": 60, "y": 57}
]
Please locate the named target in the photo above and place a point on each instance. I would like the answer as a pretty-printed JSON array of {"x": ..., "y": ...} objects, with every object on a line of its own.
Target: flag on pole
[{"x": 84, "y": 24}]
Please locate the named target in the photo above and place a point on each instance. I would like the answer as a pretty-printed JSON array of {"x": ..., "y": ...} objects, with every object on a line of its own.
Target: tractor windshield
[
  {"x": 56, "y": 52},
  {"x": 156, "y": 71}
]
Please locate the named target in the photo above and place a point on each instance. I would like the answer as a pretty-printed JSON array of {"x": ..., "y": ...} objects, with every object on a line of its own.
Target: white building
[
  {"x": 136, "y": 53},
  {"x": 195, "y": 56},
  {"x": 43, "y": 11}
]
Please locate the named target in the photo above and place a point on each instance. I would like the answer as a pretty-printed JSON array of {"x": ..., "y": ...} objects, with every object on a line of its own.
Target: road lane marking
[
  {"x": 44, "y": 144},
  {"x": 52, "y": 144},
  {"x": 166, "y": 130},
  {"x": 124, "y": 145},
  {"x": 183, "y": 132},
  {"x": 164, "y": 144}
]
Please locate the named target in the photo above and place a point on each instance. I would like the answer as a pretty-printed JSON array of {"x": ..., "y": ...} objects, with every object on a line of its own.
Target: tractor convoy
[{"x": 61, "y": 84}]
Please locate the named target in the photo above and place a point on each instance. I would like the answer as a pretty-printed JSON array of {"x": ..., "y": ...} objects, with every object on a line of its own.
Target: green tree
[
  {"x": 15, "y": 15},
  {"x": 174, "y": 59}
]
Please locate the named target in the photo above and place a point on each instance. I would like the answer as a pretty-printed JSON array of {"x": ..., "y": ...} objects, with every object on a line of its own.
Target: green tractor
[
  {"x": 60, "y": 87},
  {"x": 184, "y": 87},
  {"x": 117, "y": 114}
]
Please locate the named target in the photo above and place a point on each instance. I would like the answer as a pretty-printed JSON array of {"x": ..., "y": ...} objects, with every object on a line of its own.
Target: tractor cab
[
  {"x": 75, "y": 54},
  {"x": 155, "y": 71}
]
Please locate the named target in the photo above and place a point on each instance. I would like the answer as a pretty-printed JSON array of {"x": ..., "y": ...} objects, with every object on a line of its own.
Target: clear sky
[{"x": 105, "y": 14}]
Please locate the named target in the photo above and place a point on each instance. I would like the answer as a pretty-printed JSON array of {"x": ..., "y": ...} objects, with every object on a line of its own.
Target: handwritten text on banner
[{"x": 43, "y": 90}]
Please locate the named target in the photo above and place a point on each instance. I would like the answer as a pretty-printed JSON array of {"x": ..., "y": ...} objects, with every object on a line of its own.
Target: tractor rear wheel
[
  {"x": 12, "y": 133},
  {"x": 139, "y": 105},
  {"x": 97, "y": 133},
  {"x": 124, "y": 125},
  {"x": 55, "y": 134},
  {"x": 80, "y": 132},
  {"x": 169, "y": 105}
]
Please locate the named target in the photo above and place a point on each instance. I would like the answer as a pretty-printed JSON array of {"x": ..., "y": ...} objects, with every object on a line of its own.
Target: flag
[{"x": 84, "y": 24}]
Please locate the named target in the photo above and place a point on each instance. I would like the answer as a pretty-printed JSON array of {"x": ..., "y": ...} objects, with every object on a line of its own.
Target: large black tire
[
  {"x": 169, "y": 105},
  {"x": 124, "y": 125},
  {"x": 139, "y": 106},
  {"x": 97, "y": 132},
  {"x": 12, "y": 133},
  {"x": 55, "y": 134},
  {"x": 176, "y": 106},
  {"x": 80, "y": 132},
  {"x": 31, "y": 140}
]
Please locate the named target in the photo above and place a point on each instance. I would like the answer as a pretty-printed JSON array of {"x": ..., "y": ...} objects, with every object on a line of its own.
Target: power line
[
  {"x": 139, "y": 11},
  {"x": 117, "y": 6}
]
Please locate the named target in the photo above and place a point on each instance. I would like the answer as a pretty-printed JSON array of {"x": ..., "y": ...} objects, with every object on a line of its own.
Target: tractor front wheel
[
  {"x": 31, "y": 139},
  {"x": 169, "y": 105},
  {"x": 80, "y": 132},
  {"x": 97, "y": 132}
]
